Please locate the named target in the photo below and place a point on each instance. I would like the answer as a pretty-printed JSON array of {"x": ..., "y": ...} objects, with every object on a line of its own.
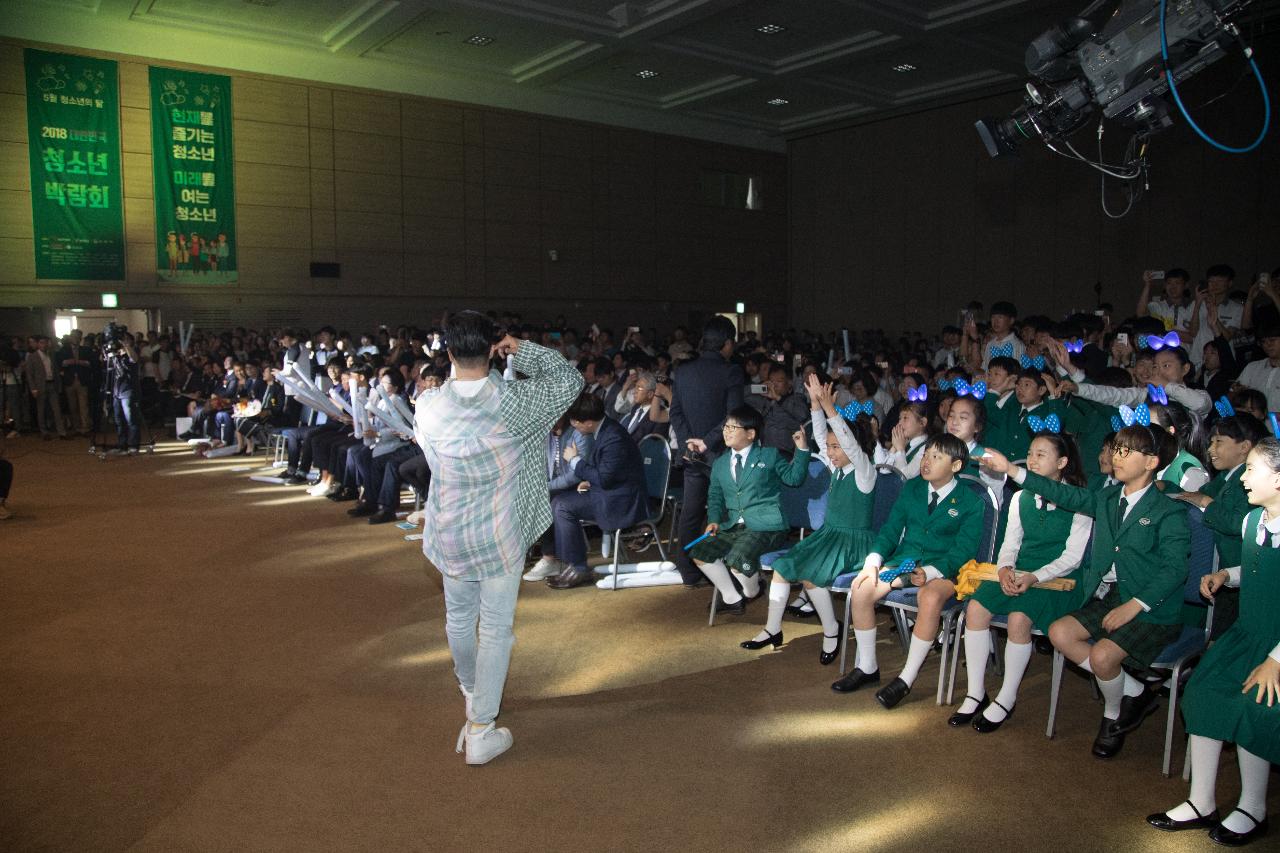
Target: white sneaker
[
  {"x": 416, "y": 517},
  {"x": 319, "y": 490},
  {"x": 545, "y": 568},
  {"x": 485, "y": 745},
  {"x": 5, "y": 513}
]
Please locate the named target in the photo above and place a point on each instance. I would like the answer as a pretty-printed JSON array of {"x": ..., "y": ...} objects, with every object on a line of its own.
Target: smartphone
[
  {"x": 797, "y": 361},
  {"x": 632, "y": 329},
  {"x": 780, "y": 358},
  {"x": 757, "y": 388},
  {"x": 846, "y": 371},
  {"x": 1099, "y": 313},
  {"x": 1264, "y": 278},
  {"x": 1122, "y": 338},
  {"x": 1156, "y": 275}
]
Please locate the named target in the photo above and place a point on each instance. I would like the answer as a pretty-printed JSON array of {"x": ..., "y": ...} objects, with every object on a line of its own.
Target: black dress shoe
[
  {"x": 1109, "y": 741},
  {"x": 1164, "y": 823},
  {"x": 826, "y": 658},
  {"x": 738, "y": 608},
  {"x": 384, "y": 516},
  {"x": 295, "y": 480},
  {"x": 1229, "y": 838},
  {"x": 362, "y": 509},
  {"x": 800, "y": 611},
  {"x": 893, "y": 693},
  {"x": 959, "y": 719},
  {"x": 856, "y": 680},
  {"x": 1135, "y": 709},
  {"x": 569, "y": 578},
  {"x": 983, "y": 726},
  {"x": 343, "y": 495},
  {"x": 774, "y": 640}
]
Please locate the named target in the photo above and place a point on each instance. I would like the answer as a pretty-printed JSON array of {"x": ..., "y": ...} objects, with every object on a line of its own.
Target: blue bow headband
[
  {"x": 918, "y": 395},
  {"x": 855, "y": 408},
  {"x": 945, "y": 384},
  {"x": 1156, "y": 394},
  {"x": 977, "y": 390},
  {"x": 1038, "y": 362},
  {"x": 1052, "y": 424},
  {"x": 1156, "y": 343},
  {"x": 1075, "y": 345},
  {"x": 1128, "y": 417},
  {"x": 1005, "y": 350},
  {"x": 906, "y": 567}
]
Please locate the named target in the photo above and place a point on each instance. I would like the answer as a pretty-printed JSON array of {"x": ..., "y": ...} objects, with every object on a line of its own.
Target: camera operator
[{"x": 124, "y": 382}]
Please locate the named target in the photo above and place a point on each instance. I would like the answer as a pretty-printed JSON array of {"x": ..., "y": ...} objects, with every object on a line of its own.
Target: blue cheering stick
[
  {"x": 699, "y": 539},
  {"x": 1224, "y": 407},
  {"x": 906, "y": 567},
  {"x": 1275, "y": 424}
]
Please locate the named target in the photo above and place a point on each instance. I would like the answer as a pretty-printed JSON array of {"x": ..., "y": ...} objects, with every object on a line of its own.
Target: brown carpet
[{"x": 192, "y": 661}]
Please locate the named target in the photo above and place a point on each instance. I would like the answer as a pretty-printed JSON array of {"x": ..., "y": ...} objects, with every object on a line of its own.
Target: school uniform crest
[
  {"x": 1144, "y": 521},
  {"x": 953, "y": 512}
]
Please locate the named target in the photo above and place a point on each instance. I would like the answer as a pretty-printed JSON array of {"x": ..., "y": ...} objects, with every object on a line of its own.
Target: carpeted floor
[{"x": 192, "y": 661}]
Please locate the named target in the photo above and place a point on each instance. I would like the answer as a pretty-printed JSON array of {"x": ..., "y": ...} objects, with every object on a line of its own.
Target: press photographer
[{"x": 124, "y": 383}]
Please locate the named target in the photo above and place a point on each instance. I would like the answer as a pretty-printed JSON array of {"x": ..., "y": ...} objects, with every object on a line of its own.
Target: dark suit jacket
[
  {"x": 702, "y": 394},
  {"x": 615, "y": 471},
  {"x": 644, "y": 426}
]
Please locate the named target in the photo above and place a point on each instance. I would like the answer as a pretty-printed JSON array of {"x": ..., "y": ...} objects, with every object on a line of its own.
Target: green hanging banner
[
  {"x": 73, "y": 133},
  {"x": 195, "y": 182}
]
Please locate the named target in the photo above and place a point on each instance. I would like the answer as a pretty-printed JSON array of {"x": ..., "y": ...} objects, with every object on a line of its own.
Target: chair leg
[
  {"x": 1171, "y": 722},
  {"x": 617, "y": 544},
  {"x": 955, "y": 659},
  {"x": 1186, "y": 762},
  {"x": 715, "y": 599},
  {"x": 1055, "y": 687},
  {"x": 944, "y": 655},
  {"x": 848, "y": 623},
  {"x": 657, "y": 538},
  {"x": 675, "y": 516}
]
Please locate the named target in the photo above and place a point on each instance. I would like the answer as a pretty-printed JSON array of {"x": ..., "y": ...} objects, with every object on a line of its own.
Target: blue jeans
[
  {"x": 477, "y": 620},
  {"x": 128, "y": 433}
]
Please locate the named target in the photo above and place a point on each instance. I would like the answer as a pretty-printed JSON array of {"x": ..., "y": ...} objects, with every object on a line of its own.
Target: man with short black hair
[
  {"x": 1173, "y": 308},
  {"x": 1215, "y": 314},
  {"x": 1002, "y": 340},
  {"x": 1264, "y": 374},
  {"x": 783, "y": 410}
]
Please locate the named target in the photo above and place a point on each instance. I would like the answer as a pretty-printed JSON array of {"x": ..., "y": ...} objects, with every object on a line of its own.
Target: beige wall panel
[
  {"x": 372, "y": 231},
  {"x": 474, "y": 163},
  {"x": 15, "y": 215},
  {"x": 283, "y": 186},
  {"x": 511, "y": 131},
  {"x": 476, "y": 202},
  {"x": 135, "y": 130},
  {"x": 433, "y": 275},
  {"x": 321, "y": 107},
  {"x": 511, "y": 168},
  {"x": 373, "y": 193},
  {"x": 321, "y": 148},
  {"x": 137, "y": 178},
  {"x": 276, "y": 269},
  {"x": 278, "y": 144},
  {"x": 431, "y": 197},
  {"x": 140, "y": 265},
  {"x": 512, "y": 277},
  {"x": 12, "y": 72},
  {"x": 374, "y": 272},
  {"x": 514, "y": 240},
  {"x": 431, "y": 121},
  {"x": 135, "y": 85},
  {"x": 366, "y": 152},
  {"x": 365, "y": 112},
  {"x": 15, "y": 168},
  {"x": 13, "y": 118},
  {"x": 473, "y": 126},
  {"x": 324, "y": 234},
  {"x": 511, "y": 204},
  {"x": 269, "y": 101},
  {"x": 434, "y": 235},
  {"x": 564, "y": 138},
  {"x": 566, "y": 208},
  {"x": 565, "y": 174},
  {"x": 273, "y": 227},
  {"x": 322, "y": 192},
  {"x": 139, "y": 221},
  {"x": 433, "y": 159}
]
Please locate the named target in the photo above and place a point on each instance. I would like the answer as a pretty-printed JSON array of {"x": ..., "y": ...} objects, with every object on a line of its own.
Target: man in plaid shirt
[{"x": 484, "y": 438}]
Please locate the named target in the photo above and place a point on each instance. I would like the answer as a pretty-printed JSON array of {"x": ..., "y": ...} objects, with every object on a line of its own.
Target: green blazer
[
  {"x": 946, "y": 539},
  {"x": 1226, "y": 514},
  {"x": 1000, "y": 421},
  {"x": 756, "y": 496},
  {"x": 1149, "y": 549},
  {"x": 1018, "y": 440}
]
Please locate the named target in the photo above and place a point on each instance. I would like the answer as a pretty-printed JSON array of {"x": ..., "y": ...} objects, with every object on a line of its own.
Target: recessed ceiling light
[
  {"x": 777, "y": 102},
  {"x": 770, "y": 29},
  {"x": 904, "y": 68},
  {"x": 480, "y": 41},
  {"x": 646, "y": 73}
]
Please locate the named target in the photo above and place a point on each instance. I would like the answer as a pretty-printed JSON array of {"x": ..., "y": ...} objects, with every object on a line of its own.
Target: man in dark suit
[
  {"x": 647, "y": 416},
  {"x": 612, "y": 494},
  {"x": 705, "y": 391}
]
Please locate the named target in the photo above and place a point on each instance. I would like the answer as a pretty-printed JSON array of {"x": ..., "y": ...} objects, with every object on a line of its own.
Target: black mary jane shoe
[
  {"x": 774, "y": 640},
  {"x": 1164, "y": 823},
  {"x": 1109, "y": 741},
  {"x": 826, "y": 658},
  {"x": 892, "y": 693},
  {"x": 1230, "y": 838},
  {"x": 983, "y": 726},
  {"x": 959, "y": 718},
  {"x": 738, "y": 608}
]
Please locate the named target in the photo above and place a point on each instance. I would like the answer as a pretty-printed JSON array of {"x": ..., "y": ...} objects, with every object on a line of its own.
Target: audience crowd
[{"x": 1097, "y": 439}]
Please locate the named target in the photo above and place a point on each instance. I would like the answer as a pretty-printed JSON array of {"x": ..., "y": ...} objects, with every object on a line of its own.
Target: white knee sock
[
  {"x": 1087, "y": 666},
  {"x": 1132, "y": 686},
  {"x": 778, "y": 593},
  {"x": 718, "y": 574},
  {"x": 821, "y": 599},
  {"x": 1016, "y": 658},
  {"x": 1112, "y": 692},
  {"x": 916, "y": 654},
  {"x": 1254, "y": 771},
  {"x": 865, "y": 650},
  {"x": 1204, "y": 779},
  {"x": 977, "y": 646},
  {"x": 750, "y": 585}
]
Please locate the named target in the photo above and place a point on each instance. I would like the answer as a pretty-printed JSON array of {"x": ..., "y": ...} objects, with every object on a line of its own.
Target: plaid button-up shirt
[{"x": 488, "y": 500}]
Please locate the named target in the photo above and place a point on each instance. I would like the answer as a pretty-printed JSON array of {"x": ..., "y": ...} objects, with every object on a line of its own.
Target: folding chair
[
  {"x": 657, "y": 471},
  {"x": 1178, "y": 655},
  {"x": 804, "y": 507}
]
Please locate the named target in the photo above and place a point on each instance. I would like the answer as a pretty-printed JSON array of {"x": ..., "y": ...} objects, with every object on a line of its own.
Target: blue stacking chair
[
  {"x": 1179, "y": 655},
  {"x": 657, "y": 471},
  {"x": 804, "y": 508},
  {"x": 902, "y": 602},
  {"x": 889, "y": 482}
]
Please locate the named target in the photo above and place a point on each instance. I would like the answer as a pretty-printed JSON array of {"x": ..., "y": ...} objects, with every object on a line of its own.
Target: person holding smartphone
[
  {"x": 1215, "y": 315},
  {"x": 1173, "y": 307}
]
